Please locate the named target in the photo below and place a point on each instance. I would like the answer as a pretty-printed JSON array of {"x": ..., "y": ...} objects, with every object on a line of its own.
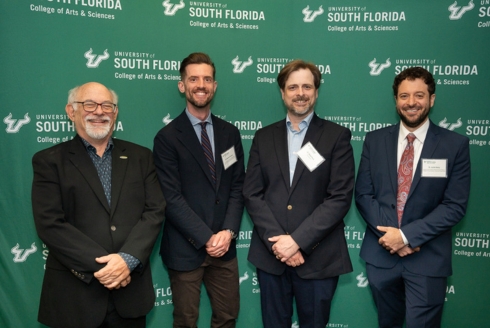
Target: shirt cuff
[
  {"x": 131, "y": 261},
  {"x": 405, "y": 240}
]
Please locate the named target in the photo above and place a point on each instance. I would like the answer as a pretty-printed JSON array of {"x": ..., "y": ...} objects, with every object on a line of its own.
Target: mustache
[
  {"x": 104, "y": 118},
  {"x": 301, "y": 98}
]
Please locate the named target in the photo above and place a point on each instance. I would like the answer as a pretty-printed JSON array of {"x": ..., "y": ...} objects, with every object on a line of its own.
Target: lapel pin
[{"x": 123, "y": 157}]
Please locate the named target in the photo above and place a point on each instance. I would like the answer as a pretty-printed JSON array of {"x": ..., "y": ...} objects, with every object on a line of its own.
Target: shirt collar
[
  {"x": 194, "y": 120},
  {"x": 420, "y": 133},
  {"x": 303, "y": 124},
  {"x": 89, "y": 147}
]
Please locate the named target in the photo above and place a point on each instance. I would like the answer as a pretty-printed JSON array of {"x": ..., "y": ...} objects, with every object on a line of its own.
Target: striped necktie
[{"x": 208, "y": 150}]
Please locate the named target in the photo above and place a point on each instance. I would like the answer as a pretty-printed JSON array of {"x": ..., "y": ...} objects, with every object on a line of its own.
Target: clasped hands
[
  {"x": 218, "y": 244},
  {"x": 115, "y": 274},
  {"x": 392, "y": 241},
  {"x": 286, "y": 250}
]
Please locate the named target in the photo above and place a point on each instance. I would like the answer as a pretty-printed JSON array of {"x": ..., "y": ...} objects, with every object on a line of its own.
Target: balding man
[{"x": 98, "y": 207}]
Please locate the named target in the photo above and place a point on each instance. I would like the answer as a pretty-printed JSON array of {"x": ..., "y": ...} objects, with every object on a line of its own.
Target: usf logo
[
  {"x": 458, "y": 11},
  {"x": 239, "y": 66},
  {"x": 93, "y": 61},
  {"x": 450, "y": 126},
  {"x": 166, "y": 120},
  {"x": 170, "y": 8},
  {"x": 243, "y": 278},
  {"x": 310, "y": 15},
  {"x": 376, "y": 68},
  {"x": 14, "y": 125},
  {"x": 362, "y": 281},
  {"x": 22, "y": 254}
]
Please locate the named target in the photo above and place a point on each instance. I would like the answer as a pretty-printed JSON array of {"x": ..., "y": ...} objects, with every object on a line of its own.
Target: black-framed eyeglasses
[{"x": 91, "y": 106}]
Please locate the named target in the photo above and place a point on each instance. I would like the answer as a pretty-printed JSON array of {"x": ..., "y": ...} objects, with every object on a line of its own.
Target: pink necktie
[{"x": 404, "y": 177}]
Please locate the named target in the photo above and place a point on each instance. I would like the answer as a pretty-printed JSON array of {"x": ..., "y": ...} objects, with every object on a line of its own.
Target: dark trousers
[
  {"x": 313, "y": 299},
  {"x": 221, "y": 281},
  {"x": 114, "y": 320},
  {"x": 398, "y": 294}
]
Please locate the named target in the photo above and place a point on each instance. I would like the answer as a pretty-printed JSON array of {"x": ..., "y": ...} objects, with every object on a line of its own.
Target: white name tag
[
  {"x": 434, "y": 168},
  {"x": 310, "y": 157},
  {"x": 229, "y": 157}
]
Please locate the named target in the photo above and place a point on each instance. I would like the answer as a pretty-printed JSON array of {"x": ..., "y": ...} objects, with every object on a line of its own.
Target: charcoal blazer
[
  {"x": 433, "y": 207},
  {"x": 196, "y": 208},
  {"x": 311, "y": 210},
  {"x": 73, "y": 218}
]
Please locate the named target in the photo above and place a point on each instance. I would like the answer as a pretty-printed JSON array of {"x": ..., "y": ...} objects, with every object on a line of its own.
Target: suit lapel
[
  {"x": 430, "y": 145},
  {"x": 312, "y": 135},
  {"x": 119, "y": 165},
  {"x": 188, "y": 138},
  {"x": 81, "y": 160},
  {"x": 220, "y": 143},
  {"x": 391, "y": 156},
  {"x": 280, "y": 144}
]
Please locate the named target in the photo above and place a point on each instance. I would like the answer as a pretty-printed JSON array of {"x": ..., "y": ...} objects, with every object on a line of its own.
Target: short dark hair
[
  {"x": 296, "y": 65},
  {"x": 196, "y": 58},
  {"x": 413, "y": 73}
]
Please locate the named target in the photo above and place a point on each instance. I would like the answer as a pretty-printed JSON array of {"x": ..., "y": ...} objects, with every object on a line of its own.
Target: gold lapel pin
[{"x": 123, "y": 157}]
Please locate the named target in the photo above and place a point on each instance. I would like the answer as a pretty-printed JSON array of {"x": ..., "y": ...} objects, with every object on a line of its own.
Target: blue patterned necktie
[{"x": 208, "y": 150}]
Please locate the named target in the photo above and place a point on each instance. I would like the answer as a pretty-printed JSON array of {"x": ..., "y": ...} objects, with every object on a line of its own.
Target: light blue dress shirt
[
  {"x": 295, "y": 140},
  {"x": 197, "y": 128}
]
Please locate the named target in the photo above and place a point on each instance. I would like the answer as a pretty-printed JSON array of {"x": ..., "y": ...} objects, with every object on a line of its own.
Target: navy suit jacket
[
  {"x": 196, "y": 209},
  {"x": 75, "y": 221},
  {"x": 311, "y": 210},
  {"x": 433, "y": 207}
]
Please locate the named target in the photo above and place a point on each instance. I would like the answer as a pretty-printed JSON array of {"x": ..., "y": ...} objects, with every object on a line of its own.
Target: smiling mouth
[{"x": 300, "y": 102}]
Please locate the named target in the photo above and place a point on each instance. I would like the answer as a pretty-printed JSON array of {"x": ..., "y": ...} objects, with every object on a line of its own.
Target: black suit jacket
[
  {"x": 311, "y": 210},
  {"x": 74, "y": 220},
  {"x": 195, "y": 208}
]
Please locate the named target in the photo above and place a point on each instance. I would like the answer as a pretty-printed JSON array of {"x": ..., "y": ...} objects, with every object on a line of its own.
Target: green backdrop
[{"x": 135, "y": 48}]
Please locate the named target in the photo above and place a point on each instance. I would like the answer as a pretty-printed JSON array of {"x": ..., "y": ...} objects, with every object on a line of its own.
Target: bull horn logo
[
  {"x": 171, "y": 9},
  {"x": 13, "y": 126},
  {"x": 310, "y": 15},
  {"x": 458, "y": 12},
  {"x": 239, "y": 66},
  {"x": 376, "y": 68},
  {"x": 93, "y": 61}
]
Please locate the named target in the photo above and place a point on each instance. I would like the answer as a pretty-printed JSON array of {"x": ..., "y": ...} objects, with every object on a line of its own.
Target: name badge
[
  {"x": 434, "y": 168},
  {"x": 229, "y": 157},
  {"x": 310, "y": 157}
]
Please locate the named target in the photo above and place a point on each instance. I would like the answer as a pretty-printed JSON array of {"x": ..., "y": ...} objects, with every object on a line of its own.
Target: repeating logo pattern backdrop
[{"x": 49, "y": 46}]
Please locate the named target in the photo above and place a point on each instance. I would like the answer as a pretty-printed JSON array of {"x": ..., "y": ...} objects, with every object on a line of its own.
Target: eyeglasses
[{"x": 91, "y": 106}]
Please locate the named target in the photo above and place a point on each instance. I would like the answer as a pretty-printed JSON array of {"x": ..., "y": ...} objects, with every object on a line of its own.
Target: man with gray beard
[{"x": 98, "y": 207}]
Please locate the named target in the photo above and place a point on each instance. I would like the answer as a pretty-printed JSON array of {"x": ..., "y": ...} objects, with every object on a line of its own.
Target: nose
[
  {"x": 411, "y": 100},
  {"x": 98, "y": 109}
]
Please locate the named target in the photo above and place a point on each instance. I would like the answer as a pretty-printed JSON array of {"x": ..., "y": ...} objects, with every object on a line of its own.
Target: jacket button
[
  {"x": 217, "y": 201},
  {"x": 290, "y": 207},
  {"x": 113, "y": 228},
  {"x": 393, "y": 206}
]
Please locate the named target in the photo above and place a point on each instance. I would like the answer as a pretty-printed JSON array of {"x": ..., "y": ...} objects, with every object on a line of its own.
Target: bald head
[
  {"x": 93, "y": 122},
  {"x": 74, "y": 94}
]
